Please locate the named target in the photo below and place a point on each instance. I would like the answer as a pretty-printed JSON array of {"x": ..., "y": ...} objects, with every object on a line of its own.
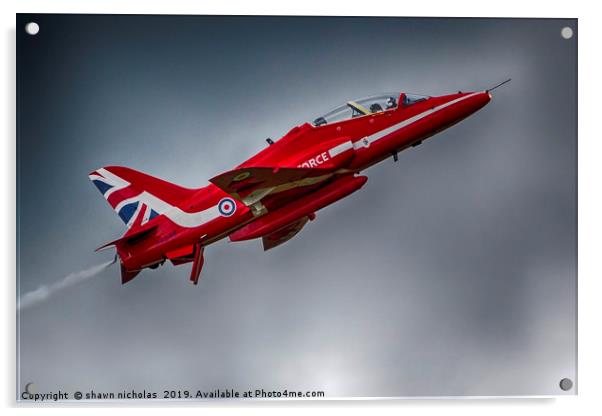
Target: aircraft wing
[
  {"x": 250, "y": 185},
  {"x": 284, "y": 234}
]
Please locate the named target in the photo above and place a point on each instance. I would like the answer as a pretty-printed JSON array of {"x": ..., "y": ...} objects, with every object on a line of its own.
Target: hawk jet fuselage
[{"x": 276, "y": 192}]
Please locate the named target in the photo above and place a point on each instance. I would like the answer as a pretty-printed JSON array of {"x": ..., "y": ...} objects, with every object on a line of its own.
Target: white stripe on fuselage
[
  {"x": 366, "y": 141},
  {"x": 192, "y": 219},
  {"x": 340, "y": 148},
  {"x": 175, "y": 214}
]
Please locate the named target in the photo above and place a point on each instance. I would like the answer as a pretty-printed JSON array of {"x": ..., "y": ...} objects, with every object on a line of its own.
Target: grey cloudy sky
[{"x": 452, "y": 272}]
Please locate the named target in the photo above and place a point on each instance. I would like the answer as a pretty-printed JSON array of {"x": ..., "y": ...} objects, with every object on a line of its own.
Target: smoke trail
[{"x": 44, "y": 292}]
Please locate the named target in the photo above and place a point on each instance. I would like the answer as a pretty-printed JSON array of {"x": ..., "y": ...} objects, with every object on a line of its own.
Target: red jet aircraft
[{"x": 275, "y": 193}]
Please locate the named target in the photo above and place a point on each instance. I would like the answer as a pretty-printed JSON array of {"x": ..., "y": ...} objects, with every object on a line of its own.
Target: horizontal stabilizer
[{"x": 130, "y": 237}]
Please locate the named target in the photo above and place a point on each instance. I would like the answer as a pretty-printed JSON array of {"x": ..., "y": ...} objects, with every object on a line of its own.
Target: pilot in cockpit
[
  {"x": 375, "y": 108},
  {"x": 391, "y": 103}
]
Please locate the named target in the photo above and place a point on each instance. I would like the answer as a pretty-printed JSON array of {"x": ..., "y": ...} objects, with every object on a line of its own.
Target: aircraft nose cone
[
  {"x": 471, "y": 103},
  {"x": 481, "y": 99}
]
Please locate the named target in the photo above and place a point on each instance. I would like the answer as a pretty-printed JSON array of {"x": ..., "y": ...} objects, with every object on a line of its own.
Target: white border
[{"x": 590, "y": 206}]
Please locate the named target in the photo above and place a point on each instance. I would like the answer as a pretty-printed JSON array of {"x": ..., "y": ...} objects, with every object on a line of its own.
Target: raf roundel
[{"x": 226, "y": 207}]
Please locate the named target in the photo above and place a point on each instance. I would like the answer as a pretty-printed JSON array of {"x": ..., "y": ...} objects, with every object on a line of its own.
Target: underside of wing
[
  {"x": 250, "y": 185},
  {"x": 284, "y": 234}
]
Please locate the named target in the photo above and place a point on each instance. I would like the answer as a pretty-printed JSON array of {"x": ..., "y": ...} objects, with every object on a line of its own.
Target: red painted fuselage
[{"x": 274, "y": 193}]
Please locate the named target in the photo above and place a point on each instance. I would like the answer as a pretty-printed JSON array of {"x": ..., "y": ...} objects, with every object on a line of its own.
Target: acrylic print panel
[{"x": 449, "y": 273}]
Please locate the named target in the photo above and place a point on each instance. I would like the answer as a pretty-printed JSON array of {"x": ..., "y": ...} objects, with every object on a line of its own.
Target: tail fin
[{"x": 136, "y": 197}]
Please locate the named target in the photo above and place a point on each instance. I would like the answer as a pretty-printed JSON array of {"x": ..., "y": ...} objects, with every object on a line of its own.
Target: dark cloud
[{"x": 452, "y": 272}]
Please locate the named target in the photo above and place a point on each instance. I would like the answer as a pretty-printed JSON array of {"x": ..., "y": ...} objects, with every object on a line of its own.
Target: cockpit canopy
[{"x": 368, "y": 105}]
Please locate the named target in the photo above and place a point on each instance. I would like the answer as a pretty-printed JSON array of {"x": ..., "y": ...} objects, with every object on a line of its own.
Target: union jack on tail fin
[{"x": 137, "y": 197}]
